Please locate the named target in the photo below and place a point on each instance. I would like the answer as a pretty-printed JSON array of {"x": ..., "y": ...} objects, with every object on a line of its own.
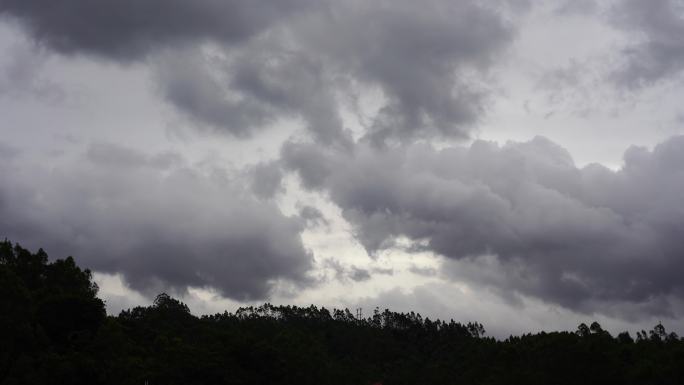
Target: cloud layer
[
  {"x": 572, "y": 236},
  {"x": 160, "y": 223},
  {"x": 125, "y": 30},
  {"x": 657, "y": 51},
  {"x": 241, "y": 65}
]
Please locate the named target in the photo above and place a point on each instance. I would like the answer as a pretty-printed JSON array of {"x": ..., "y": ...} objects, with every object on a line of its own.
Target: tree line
[{"x": 55, "y": 330}]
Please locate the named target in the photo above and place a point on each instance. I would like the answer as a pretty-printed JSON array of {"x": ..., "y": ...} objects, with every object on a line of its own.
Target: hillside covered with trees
[{"x": 54, "y": 330}]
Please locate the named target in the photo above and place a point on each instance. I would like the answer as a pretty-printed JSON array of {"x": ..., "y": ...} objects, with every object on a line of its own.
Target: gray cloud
[
  {"x": 424, "y": 271},
  {"x": 160, "y": 224},
  {"x": 340, "y": 272},
  {"x": 267, "y": 60},
  {"x": 127, "y": 29},
  {"x": 357, "y": 274},
  {"x": 345, "y": 273},
  {"x": 291, "y": 81},
  {"x": 419, "y": 55},
  {"x": 568, "y": 235},
  {"x": 656, "y": 27},
  {"x": 254, "y": 88},
  {"x": 383, "y": 271},
  {"x": 8, "y": 152},
  {"x": 187, "y": 81},
  {"x": 20, "y": 74},
  {"x": 312, "y": 216},
  {"x": 266, "y": 179},
  {"x": 422, "y": 57},
  {"x": 576, "y": 7}
]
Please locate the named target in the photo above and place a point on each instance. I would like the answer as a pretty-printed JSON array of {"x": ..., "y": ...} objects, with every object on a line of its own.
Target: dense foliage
[{"x": 54, "y": 330}]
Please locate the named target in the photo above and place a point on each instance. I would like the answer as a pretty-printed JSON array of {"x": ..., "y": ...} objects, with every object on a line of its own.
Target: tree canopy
[{"x": 54, "y": 329}]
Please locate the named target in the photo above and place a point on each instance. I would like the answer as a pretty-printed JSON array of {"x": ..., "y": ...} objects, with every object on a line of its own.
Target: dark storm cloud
[
  {"x": 154, "y": 220},
  {"x": 186, "y": 81},
  {"x": 297, "y": 59},
  {"x": 266, "y": 179},
  {"x": 419, "y": 54},
  {"x": 425, "y": 59},
  {"x": 573, "y": 236},
  {"x": 128, "y": 29},
  {"x": 656, "y": 27},
  {"x": 247, "y": 92},
  {"x": 290, "y": 82}
]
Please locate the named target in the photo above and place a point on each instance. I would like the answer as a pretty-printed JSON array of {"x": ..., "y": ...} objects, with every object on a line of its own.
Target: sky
[{"x": 516, "y": 163}]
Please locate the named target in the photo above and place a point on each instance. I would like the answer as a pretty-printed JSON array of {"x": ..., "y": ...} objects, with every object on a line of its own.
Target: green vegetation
[{"x": 54, "y": 330}]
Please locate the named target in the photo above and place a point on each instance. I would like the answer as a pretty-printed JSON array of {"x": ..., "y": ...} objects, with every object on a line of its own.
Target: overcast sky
[{"x": 517, "y": 163}]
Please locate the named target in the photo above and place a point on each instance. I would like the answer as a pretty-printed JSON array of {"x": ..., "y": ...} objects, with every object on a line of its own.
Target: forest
[{"x": 55, "y": 330}]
